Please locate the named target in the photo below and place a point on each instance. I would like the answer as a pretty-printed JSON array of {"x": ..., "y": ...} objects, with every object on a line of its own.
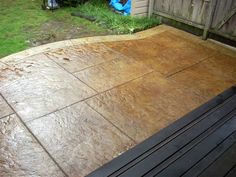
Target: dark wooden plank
[
  {"x": 157, "y": 164},
  {"x": 199, "y": 151},
  {"x": 232, "y": 172},
  {"x": 164, "y": 150},
  {"x": 211, "y": 157},
  {"x": 146, "y": 148},
  {"x": 179, "y": 164},
  {"x": 179, "y": 142},
  {"x": 223, "y": 165}
]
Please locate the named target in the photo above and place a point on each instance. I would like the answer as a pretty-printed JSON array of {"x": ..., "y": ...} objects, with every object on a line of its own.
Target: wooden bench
[{"x": 202, "y": 143}]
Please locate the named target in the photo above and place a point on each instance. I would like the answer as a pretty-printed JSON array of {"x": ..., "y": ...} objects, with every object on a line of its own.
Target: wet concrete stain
[
  {"x": 20, "y": 154},
  {"x": 88, "y": 103}
]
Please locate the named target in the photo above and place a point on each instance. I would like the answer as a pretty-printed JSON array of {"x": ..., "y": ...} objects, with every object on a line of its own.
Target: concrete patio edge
[
  {"x": 112, "y": 38},
  {"x": 86, "y": 40}
]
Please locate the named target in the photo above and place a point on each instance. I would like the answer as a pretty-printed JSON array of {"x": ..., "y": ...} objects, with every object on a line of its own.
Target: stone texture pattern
[
  {"x": 166, "y": 53},
  {"x": 5, "y": 110},
  {"x": 79, "y": 138},
  {"x": 210, "y": 77},
  {"x": 110, "y": 74},
  {"x": 142, "y": 107},
  {"x": 88, "y": 100},
  {"x": 37, "y": 86},
  {"x": 20, "y": 154},
  {"x": 79, "y": 57}
]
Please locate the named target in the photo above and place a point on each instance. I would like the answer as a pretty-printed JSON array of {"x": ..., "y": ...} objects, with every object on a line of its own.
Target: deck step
[{"x": 201, "y": 143}]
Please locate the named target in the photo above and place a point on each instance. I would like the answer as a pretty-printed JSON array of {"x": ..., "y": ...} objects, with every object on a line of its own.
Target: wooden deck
[{"x": 202, "y": 143}]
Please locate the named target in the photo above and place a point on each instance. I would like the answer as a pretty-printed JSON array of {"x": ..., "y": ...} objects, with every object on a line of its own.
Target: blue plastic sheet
[{"x": 126, "y": 8}]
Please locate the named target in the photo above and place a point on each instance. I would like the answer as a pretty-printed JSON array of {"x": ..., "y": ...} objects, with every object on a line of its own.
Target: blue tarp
[{"x": 126, "y": 8}]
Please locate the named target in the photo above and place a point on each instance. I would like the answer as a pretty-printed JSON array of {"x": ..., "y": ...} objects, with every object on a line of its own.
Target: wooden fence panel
[
  {"x": 192, "y": 10},
  {"x": 195, "y": 13},
  {"x": 140, "y": 7},
  {"x": 222, "y": 9}
]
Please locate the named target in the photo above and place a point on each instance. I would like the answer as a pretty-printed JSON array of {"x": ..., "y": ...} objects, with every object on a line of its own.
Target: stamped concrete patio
[{"x": 69, "y": 107}]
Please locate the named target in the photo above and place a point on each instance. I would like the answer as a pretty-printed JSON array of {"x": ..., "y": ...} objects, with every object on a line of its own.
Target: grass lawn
[{"x": 23, "y": 24}]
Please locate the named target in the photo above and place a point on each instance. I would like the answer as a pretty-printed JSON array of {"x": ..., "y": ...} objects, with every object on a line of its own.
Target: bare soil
[{"x": 53, "y": 31}]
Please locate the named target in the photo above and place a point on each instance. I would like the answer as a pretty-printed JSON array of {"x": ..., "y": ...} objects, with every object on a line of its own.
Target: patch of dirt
[{"x": 53, "y": 31}]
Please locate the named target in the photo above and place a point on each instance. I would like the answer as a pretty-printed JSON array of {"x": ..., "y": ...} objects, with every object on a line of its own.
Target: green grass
[
  {"x": 116, "y": 22},
  {"x": 21, "y": 21},
  {"x": 23, "y": 24}
]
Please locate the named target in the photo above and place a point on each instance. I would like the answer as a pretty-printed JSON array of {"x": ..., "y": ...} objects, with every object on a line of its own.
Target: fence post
[
  {"x": 150, "y": 8},
  {"x": 209, "y": 18}
]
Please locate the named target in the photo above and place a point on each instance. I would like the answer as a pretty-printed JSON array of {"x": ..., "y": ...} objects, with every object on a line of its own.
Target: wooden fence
[
  {"x": 140, "y": 7},
  {"x": 216, "y": 16}
]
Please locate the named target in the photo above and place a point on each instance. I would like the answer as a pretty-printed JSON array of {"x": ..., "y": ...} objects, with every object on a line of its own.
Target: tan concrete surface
[{"x": 69, "y": 107}]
